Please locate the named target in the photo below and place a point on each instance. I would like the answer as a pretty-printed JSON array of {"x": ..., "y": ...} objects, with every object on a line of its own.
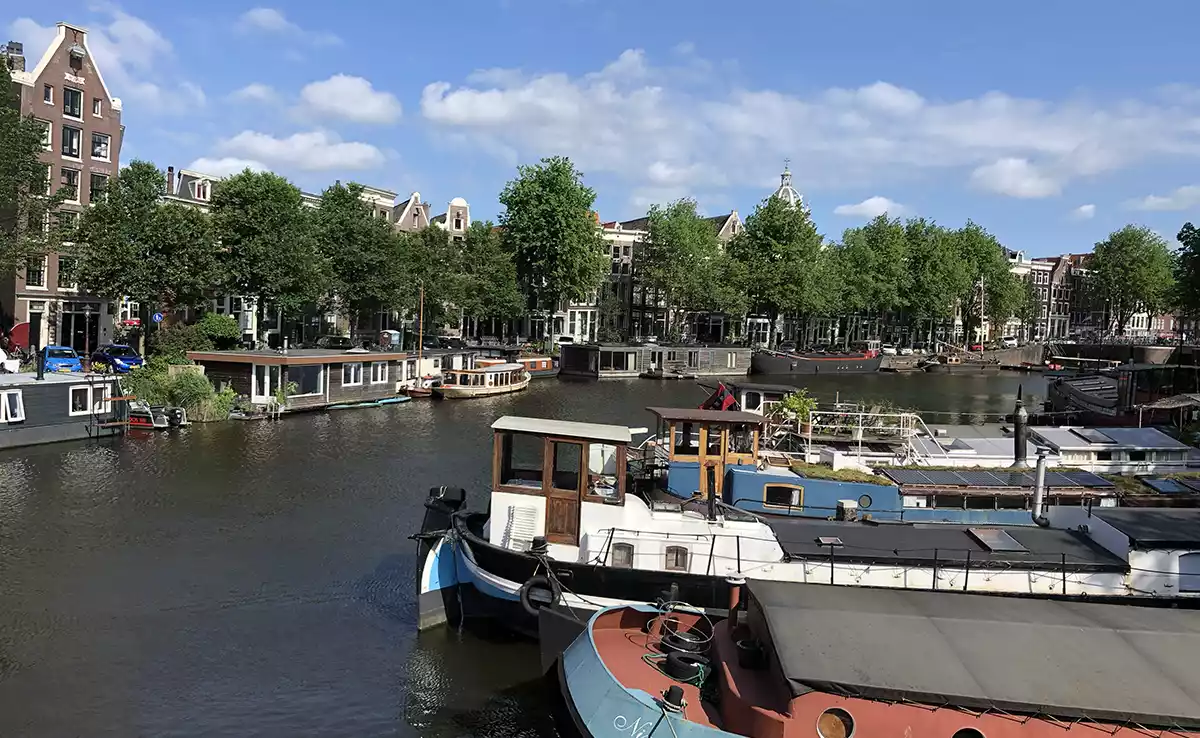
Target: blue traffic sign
[{"x": 157, "y": 317}]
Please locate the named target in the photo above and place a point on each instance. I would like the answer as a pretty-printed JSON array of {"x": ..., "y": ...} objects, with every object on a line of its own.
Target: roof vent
[{"x": 996, "y": 540}]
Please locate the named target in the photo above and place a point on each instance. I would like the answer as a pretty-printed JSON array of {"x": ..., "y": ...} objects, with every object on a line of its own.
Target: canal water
[{"x": 255, "y": 579}]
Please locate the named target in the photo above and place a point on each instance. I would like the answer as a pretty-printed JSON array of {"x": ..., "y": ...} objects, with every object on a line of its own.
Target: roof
[
  {"x": 1153, "y": 527},
  {"x": 943, "y": 543},
  {"x": 1175, "y": 402},
  {"x": 759, "y": 387},
  {"x": 565, "y": 428},
  {"x": 958, "y": 447},
  {"x": 491, "y": 368},
  {"x": 995, "y": 478},
  {"x": 694, "y": 415},
  {"x": 297, "y": 356},
  {"x": 1066, "y": 659},
  {"x": 1105, "y": 439},
  {"x": 26, "y": 378}
]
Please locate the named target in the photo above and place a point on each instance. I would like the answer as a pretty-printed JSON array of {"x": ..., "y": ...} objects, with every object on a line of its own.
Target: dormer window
[{"x": 201, "y": 189}]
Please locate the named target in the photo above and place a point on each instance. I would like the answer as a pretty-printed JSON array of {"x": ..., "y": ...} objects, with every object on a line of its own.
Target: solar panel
[
  {"x": 1058, "y": 479},
  {"x": 1091, "y": 435},
  {"x": 1192, "y": 484},
  {"x": 907, "y": 476},
  {"x": 995, "y": 539},
  {"x": 1087, "y": 479},
  {"x": 980, "y": 479},
  {"x": 943, "y": 478},
  {"x": 1014, "y": 478},
  {"x": 1166, "y": 486}
]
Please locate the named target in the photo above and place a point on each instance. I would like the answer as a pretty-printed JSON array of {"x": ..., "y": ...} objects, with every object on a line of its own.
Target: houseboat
[
  {"x": 603, "y": 361},
  {"x": 498, "y": 379},
  {"x": 862, "y": 358},
  {"x": 46, "y": 407},
  {"x": 308, "y": 379},
  {"x": 538, "y": 367},
  {"x": 570, "y": 520},
  {"x": 830, "y": 662}
]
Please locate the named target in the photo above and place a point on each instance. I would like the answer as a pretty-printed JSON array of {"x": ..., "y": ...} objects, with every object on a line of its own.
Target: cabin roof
[
  {"x": 1154, "y": 526},
  {"x": 760, "y": 387},
  {"x": 695, "y": 415},
  {"x": 489, "y": 368},
  {"x": 25, "y": 379},
  {"x": 1105, "y": 439},
  {"x": 1066, "y": 659},
  {"x": 565, "y": 428},
  {"x": 297, "y": 356}
]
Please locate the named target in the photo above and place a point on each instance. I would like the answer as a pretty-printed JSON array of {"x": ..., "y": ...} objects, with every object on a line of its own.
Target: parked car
[
  {"x": 62, "y": 359},
  {"x": 1009, "y": 342},
  {"x": 906, "y": 351},
  {"x": 975, "y": 347},
  {"x": 341, "y": 343},
  {"x": 117, "y": 357},
  {"x": 887, "y": 349},
  {"x": 787, "y": 347}
]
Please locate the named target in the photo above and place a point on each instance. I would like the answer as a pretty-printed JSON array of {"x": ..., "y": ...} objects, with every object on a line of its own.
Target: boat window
[
  {"x": 954, "y": 502},
  {"x": 967, "y": 733},
  {"x": 741, "y": 439},
  {"x": 602, "y": 471},
  {"x": 1104, "y": 456},
  {"x": 1011, "y": 502},
  {"x": 713, "y": 441},
  {"x": 835, "y": 723},
  {"x": 100, "y": 395},
  {"x": 521, "y": 460},
  {"x": 622, "y": 555},
  {"x": 1189, "y": 572},
  {"x": 753, "y": 401},
  {"x": 981, "y": 502},
  {"x": 352, "y": 374},
  {"x": 1137, "y": 455},
  {"x": 80, "y": 400},
  {"x": 379, "y": 372},
  {"x": 782, "y": 495},
  {"x": 677, "y": 558},
  {"x": 306, "y": 377},
  {"x": 12, "y": 407},
  {"x": 687, "y": 440},
  {"x": 693, "y": 359},
  {"x": 568, "y": 460}
]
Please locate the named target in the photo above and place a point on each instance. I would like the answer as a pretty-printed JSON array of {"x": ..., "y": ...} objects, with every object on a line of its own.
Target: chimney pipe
[
  {"x": 736, "y": 583},
  {"x": 1039, "y": 491},
  {"x": 1020, "y": 434},
  {"x": 170, "y": 180}
]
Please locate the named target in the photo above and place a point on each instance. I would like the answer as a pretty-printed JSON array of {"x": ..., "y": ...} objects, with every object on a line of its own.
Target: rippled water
[{"x": 254, "y": 579}]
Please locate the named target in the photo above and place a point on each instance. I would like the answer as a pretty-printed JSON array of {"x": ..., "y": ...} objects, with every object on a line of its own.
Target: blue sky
[{"x": 1050, "y": 123}]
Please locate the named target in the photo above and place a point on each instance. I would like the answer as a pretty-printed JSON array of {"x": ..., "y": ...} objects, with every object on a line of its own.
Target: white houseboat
[{"x": 500, "y": 379}]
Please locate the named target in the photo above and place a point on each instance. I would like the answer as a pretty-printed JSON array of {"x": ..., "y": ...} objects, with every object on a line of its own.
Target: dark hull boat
[{"x": 773, "y": 362}]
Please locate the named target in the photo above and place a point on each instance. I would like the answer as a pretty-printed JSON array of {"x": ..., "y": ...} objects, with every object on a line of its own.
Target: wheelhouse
[
  {"x": 500, "y": 375},
  {"x": 702, "y": 444}
]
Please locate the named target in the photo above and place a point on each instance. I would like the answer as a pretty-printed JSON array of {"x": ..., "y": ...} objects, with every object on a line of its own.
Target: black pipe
[
  {"x": 41, "y": 364},
  {"x": 1020, "y": 433}
]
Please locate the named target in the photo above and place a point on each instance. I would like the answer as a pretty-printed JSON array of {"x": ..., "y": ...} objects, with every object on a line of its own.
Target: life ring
[
  {"x": 538, "y": 582},
  {"x": 685, "y": 667}
]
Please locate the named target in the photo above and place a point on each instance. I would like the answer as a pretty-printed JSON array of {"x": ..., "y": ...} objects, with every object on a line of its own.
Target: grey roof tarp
[{"x": 1067, "y": 659}]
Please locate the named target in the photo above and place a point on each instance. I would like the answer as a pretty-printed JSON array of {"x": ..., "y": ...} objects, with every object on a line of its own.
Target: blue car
[
  {"x": 118, "y": 357},
  {"x": 62, "y": 359}
]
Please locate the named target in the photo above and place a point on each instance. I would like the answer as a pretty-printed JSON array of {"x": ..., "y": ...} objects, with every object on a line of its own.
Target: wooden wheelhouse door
[
  {"x": 712, "y": 460},
  {"x": 565, "y": 475}
]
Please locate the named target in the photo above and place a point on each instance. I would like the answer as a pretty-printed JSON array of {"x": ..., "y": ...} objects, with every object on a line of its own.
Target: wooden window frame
[
  {"x": 670, "y": 560},
  {"x": 632, "y": 555},
  {"x": 788, "y": 485}
]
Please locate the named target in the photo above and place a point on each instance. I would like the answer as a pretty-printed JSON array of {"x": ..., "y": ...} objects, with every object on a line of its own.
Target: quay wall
[{"x": 1123, "y": 352}]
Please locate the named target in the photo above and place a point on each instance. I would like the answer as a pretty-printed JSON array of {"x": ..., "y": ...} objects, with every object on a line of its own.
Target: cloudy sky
[{"x": 1050, "y": 123}]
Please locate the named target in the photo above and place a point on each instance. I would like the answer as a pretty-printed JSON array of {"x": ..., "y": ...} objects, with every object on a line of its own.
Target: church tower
[{"x": 786, "y": 191}]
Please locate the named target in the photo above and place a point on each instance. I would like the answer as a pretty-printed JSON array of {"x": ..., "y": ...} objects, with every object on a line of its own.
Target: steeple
[{"x": 786, "y": 191}]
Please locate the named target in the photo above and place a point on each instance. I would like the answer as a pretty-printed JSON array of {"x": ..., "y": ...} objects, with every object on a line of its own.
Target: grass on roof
[{"x": 817, "y": 471}]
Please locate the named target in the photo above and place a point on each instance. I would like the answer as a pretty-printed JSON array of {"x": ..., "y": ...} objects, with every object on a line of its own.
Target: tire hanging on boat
[
  {"x": 542, "y": 583},
  {"x": 685, "y": 667}
]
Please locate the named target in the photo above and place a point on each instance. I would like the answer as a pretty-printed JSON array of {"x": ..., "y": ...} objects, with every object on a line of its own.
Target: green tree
[
  {"x": 874, "y": 260},
  {"x": 24, "y": 204},
  {"x": 936, "y": 273},
  {"x": 990, "y": 289},
  {"x": 678, "y": 257},
  {"x": 1131, "y": 272},
  {"x": 132, "y": 244},
  {"x": 1029, "y": 307},
  {"x": 222, "y": 330},
  {"x": 432, "y": 261},
  {"x": 363, "y": 253},
  {"x": 269, "y": 242},
  {"x": 1187, "y": 272},
  {"x": 786, "y": 269},
  {"x": 551, "y": 230},
  {"x": 490, "y": 290}
]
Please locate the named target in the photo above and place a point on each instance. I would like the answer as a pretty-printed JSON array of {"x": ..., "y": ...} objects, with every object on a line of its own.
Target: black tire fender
[
  {"x": 538, "y": 582},
  {"x": 684, "y": 667}
]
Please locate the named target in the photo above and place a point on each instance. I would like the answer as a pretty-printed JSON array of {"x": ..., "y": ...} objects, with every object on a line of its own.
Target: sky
[{"x": 1051, "y": 124}]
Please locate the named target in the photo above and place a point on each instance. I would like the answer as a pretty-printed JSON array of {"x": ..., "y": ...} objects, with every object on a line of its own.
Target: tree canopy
[
  {"x": 490, "y": 287},
  {"x": 363, "y": 253},
  {"x": 680, "y": 256},
  {"x": 1186, "y": 297},
  {"x": 1131, "y": 271}
]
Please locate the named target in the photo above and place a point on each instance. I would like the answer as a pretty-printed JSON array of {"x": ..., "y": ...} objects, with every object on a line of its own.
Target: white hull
[{"x": 451, "y": 392}]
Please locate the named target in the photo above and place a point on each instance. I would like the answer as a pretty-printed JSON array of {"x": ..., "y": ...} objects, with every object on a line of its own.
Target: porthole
[
  {"x": 865, "y": 501},
  {"x": 835, "y": 723},
  {"x": 967, "y": 733}
]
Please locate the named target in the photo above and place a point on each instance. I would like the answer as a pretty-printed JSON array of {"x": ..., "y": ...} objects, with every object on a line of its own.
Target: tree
[
  {"x": 24, "y": 205},
  {"x": 678, "y": 257},
  {"x": 1187, "y": 272},
  {"x": 1131, "y": 271},
  {"x": 937, "y": 274},
  {"x": 490, "y": 291},
  {"x": 1029, "y": 307},
  {"x": 132, "y": 244},
  {"x": 363, "y": 253},
  {"x": 986, "y": 287},
  {"x": 269, "y": 242},
  {"x": 551, "y": 230},
  {"x": 785, "y": 267},
  {"x": 874, "y": 261},
  {"x": 433, "y": 262}
]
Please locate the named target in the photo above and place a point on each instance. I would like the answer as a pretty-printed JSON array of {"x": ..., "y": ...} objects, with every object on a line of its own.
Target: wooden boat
[
  {"x": 369, "y": 403},
  {"x": 424, "y": 385},
  {"x": 537, "y": 366},
  {"x": 819, "y": 660},
  {"x": 498, "y": 379}
]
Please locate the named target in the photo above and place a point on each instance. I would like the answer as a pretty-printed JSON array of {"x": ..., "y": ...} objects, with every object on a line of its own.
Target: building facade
[{"x": 66, "y": 93}]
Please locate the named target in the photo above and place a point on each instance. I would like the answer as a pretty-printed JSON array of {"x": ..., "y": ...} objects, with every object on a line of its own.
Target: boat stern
[{"x": 437, "y": 569}]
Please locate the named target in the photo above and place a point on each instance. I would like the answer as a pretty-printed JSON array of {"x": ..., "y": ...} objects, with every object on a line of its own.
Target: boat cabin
[
  {"x": 701, "y": 445},
  {"x": 494, "y": 375},
  {"x": 535, "y": 365},
  {"x": 758, "y": 398},
  {"x": 546, "y": 472},
  {"x": 622, "y": 360},
  {"x": 59, "y": 406}
]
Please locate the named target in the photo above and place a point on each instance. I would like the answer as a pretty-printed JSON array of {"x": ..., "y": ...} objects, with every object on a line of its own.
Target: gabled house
[
  {"x": 456, "y": 220},
  {"x": 411, "y": 215}
]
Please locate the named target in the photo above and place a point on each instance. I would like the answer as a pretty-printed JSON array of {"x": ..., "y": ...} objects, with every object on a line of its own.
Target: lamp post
[{"x": 87, "y": 336}]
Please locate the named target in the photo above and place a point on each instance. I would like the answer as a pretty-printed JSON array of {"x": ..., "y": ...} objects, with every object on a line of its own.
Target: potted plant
[{"x": 799, "y": 406}]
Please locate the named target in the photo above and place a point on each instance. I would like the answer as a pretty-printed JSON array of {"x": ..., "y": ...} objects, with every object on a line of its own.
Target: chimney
[
  {"x": 1020, "y": 433},
  {"x": 14, "y": 55},
  {"x": 170, "y": 180},
  {"x": 1039, "y": 491}
]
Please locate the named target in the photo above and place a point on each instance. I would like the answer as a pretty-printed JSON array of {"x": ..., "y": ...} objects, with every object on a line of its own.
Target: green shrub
[
  {"x": 222, "y": 330},
  {"x": 193, "y": 392},
  {"x": 173, "y": 342}
]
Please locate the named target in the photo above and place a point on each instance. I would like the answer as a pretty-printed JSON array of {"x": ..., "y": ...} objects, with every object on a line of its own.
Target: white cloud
[
  {"x": 1184, "y": 198},
  {"x": 871, "y": 208},
  {"x": 134, "y": 57},
  {"x": 1084, "y": 212},
  {"x": 631, "y": 112},
  {"x": 1014, "y": 177},
  {"x": 350, "y": 98},
  {"x": 312, "y": 151},
  {"x": 273, "y": 21},
  {"x": 225, "y": 166},
  {"x": 255, "y": 92}
]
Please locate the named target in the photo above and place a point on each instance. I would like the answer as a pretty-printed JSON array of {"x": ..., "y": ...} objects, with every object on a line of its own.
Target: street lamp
[{"x": 87, "y": 335}]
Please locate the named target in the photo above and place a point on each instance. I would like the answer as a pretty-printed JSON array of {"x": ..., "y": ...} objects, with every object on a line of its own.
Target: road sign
[{"x": 157, "y": 317}]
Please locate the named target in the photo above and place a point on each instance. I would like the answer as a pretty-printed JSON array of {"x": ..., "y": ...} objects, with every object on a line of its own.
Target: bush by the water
[
  {"x": 190, "y": 390},
  {"x": 212, "y": 331}
]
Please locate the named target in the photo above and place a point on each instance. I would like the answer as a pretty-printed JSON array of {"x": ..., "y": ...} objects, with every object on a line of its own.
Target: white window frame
[
  {"x": 97, "y": 107},
  {"x": 48, "y": 139},
  {"x": 78, "y": 182},
  {"x": 77, "y": 129},
  {"x": 5, "y": 414},
  {"x": 45, "y": 274},
  {"x": 48, "y": 100},
  {"x": 67, "y": 115},
  {"x": 376, "y": 376},
  {"x": 107, "y": 146},
  {"x": 257, "y": 396},
  {"x": 356, "y": 374},
  {"x": 105, "y": 393}
]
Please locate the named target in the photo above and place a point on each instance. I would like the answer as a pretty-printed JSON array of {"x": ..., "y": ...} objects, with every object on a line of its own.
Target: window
[
  {"x": 379, "y": 372},
  {"x": 97, "y": 107},
  {"x": 351, "y": 375},
  {"x": 521, "y": 460},
  {"x": 730, "y": 360},
  {"x": 89, "y": 400},
  {"x": 416, "y": 220},
  {"x": 677, "y": 558},
  {"x": 35, "y": 272},
  {"x": 48, "y": 94},
  {"x": 66, "y": 220},
  {"x": 47, "y": 135},
  {"x": 1104, "y": 456},
  {"x": 72, "y": 139},
  {"x": 754, "y": 401},
  {"x": 97, "y": 187},
  {"x": 72, "y": 102},
  {"x": 307, "y": 378},
  {"x": 66, "y": 272},
  {"x": 49, "y": 179},
  {"x": 568, "y": 460},
  {"x": 782, "y": 495},
  {"x": 12, "y": 407},
  {"x": 70, "y": 183},
  {"x": 202, "y": 190},
  {"x": 100, "y": 146},
  {"x": 458, "y": 224},
  {"x": 713, "y": 440},
  {"x": 622, "y": 555},
  {"x": 1137, "y": 455},
  {"x": 265, "y": 383}
]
